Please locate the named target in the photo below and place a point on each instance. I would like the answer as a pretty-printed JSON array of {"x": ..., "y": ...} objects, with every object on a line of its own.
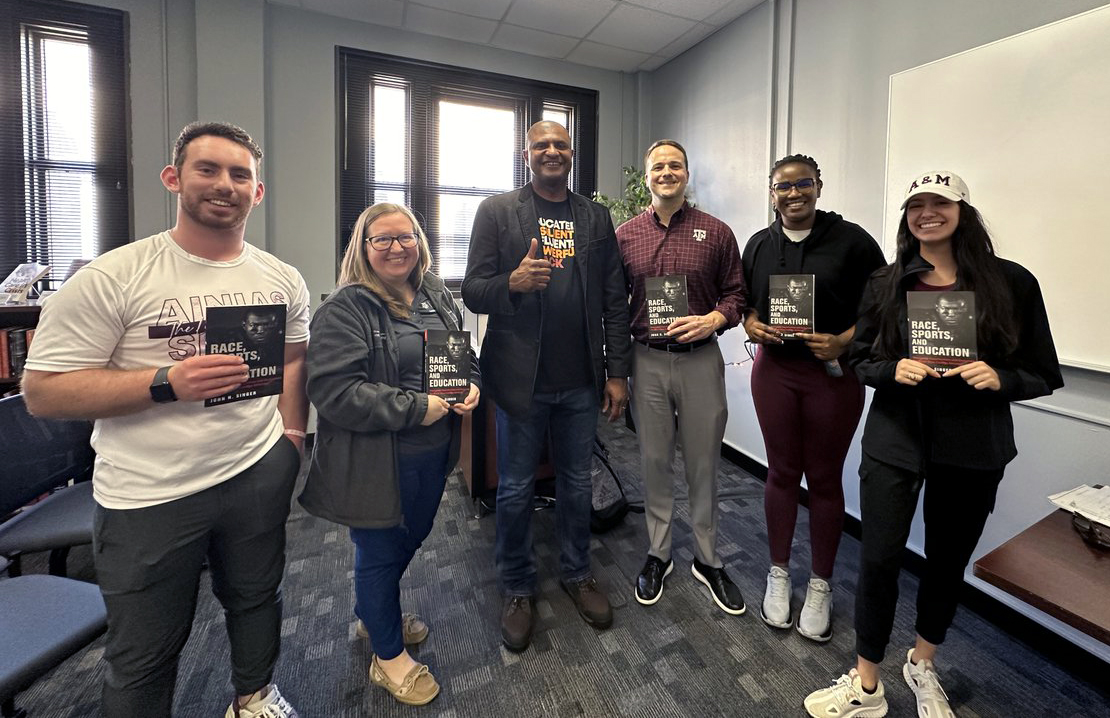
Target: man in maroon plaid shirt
[{"x": 683, "y": 374}]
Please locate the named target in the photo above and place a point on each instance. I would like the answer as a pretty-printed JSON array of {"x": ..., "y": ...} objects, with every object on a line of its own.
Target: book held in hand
[
  {"x": 666, "y": 301},
  {"x": 257, "y": 334},
  {"x": 790, "y": 310},
  {"x": 447, "y": 364},
  {"x": 942, "y": 328}
]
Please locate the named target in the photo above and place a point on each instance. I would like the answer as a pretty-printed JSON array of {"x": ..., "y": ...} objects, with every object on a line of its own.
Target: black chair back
[{"x": 37, "y": 455}]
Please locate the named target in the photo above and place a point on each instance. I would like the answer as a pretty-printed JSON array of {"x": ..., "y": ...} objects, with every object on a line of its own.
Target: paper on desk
[{"x": 1090, "y": 501}]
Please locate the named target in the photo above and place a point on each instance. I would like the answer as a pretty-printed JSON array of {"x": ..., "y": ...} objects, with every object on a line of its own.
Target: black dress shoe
[
  {"x": 724, "y": 592},
  {"x": 649, "y": 584}
]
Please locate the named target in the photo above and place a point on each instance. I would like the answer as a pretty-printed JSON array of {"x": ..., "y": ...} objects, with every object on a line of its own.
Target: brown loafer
[
  {"x": 413, "y": 629},
  {"x": 418, "y": 687}
]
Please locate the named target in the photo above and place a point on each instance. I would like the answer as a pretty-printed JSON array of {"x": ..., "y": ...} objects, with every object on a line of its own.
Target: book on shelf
[
  {"x": 5, "y": 367},
  {"x": 256, "y": 333},
  {"x": 447, "y": 364},
  {"x": 17, "y": 351},
  {"x": 790, "y": 308},
  {"x": 942, "y": 328},
  {"x": 15, "y": 288},
  {"x": 666, "y": 301}
]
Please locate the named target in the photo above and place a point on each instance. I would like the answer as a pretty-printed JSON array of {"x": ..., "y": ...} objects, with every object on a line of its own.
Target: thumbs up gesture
[{"x": 532, "y": 274}]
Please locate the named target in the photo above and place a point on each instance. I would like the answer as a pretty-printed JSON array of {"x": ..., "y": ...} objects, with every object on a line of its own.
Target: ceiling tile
[
  {"x": 693, "y": 9},
  {"x": 684, "y": 43},
  {"x": 378, "y": 12},
  {"x": 732, "y": 11},
  {"x": 569, "y": 17},
  {"x": 533, "y": 42},
  {"x": 635, "y": 28},
  {"x": 431, "y": 21},
  {"x": 490, "y": 9},
  {"x": 607, "y": 57}
]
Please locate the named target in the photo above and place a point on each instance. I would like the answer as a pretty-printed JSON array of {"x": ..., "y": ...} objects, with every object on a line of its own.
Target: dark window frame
[
  {"x": 24, "y": 206},
  {"x": 427, "y": 82}
]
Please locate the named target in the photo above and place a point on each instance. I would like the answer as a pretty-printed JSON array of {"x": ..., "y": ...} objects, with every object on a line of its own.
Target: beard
[{"x": 198, "y": 209}]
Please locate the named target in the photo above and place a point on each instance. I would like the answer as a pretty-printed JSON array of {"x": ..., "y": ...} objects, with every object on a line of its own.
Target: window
[
  {"x": 440, "y": 139},
  {"x": 64, "y": 185}
]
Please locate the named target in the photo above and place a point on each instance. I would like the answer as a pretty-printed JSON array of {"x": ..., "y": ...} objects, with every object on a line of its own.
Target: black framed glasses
[
  {"x": 383, "y": 242},
  {"x": 805, "y": 184}
]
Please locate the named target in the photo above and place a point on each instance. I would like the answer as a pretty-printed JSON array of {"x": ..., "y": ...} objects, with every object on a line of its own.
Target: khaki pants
[{"x": 691, "y": 387}]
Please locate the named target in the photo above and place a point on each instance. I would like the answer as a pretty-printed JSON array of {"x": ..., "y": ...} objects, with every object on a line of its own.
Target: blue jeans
[
  {"x": 572, "y": 418},
  {"x": 382, "y": 555}
]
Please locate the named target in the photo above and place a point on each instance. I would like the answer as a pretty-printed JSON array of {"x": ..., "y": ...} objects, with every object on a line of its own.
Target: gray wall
[
  {"x": 812, "y": 76},
  {"x": 271, "y": 69}
]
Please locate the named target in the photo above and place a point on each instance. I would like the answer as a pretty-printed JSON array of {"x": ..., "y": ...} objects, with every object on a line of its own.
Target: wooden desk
[{"x": 1051, "y": 568}]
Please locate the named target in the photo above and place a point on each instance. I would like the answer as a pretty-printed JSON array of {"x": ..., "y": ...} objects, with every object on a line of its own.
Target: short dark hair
[
  {"x": 226, "y": 130},
  {"x": 791, "y": 159},
  {"x": 670, "y": 143}
]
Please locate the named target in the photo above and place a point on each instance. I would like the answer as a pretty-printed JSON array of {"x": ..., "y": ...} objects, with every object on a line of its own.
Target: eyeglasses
[
  {"x": 383, "y": 242},
  {"x": 805, "y": 184}
]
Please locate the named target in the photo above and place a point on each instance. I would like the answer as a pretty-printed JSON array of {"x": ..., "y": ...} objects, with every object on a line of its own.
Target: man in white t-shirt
[{"x": 176, "y": 482}]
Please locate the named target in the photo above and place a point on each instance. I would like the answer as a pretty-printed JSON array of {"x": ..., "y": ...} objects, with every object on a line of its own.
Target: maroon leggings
[{"x": 808, "y": 419}]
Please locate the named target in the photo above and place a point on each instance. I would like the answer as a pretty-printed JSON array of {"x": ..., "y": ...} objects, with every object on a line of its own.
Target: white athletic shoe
[
  {"x": 932, "y": 701},
  {"x": 272, "y": 705},
  {"x": 847, "y": 699},
  {"x": 815, "y": 620},
  {"x": 775, "y": 609}
]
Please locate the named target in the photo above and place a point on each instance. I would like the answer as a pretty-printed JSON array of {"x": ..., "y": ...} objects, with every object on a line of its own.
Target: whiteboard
[{"x": 1026, "y": 122}]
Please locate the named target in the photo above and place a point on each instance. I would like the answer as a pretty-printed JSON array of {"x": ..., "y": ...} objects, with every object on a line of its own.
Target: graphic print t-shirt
[
  {"x": 144, "y": 305},
  {"x": 564, "y": 358}
]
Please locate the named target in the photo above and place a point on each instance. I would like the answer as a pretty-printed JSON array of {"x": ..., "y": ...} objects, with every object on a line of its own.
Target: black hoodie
[{"x": 841, "y": 256}]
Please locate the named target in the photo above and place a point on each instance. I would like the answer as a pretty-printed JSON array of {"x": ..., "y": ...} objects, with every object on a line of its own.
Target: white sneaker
[
  {"x": 815, "y": 620},
  {"x": 932, "y": 701},
  {"x": 775, "y": 610},
  {"x": 272, "y": 705},
  {"x": 846, "y": 698}
]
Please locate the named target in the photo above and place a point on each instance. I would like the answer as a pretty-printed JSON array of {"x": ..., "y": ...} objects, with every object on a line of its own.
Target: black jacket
[
  {"x": 944, "y": 420},
  {"x": 352, "y": 382},
  {"x": 503, "y": 229},
  {"x": 841, "y": 255}
]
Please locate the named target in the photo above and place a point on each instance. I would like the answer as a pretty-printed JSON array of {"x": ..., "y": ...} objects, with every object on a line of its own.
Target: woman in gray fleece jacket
[{"x": 383, "y": 445}]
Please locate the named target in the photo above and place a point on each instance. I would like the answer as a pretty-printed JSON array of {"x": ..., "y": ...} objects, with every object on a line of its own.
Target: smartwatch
[{"x": 161, "y": 391}]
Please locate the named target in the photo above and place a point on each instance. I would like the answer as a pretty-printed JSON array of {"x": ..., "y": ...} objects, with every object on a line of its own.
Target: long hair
[
  {"x": 978, "y": 269},
  {"x": 356, "y": 269}
]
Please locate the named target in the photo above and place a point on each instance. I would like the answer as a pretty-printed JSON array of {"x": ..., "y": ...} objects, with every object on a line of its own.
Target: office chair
[{"x": 40, "y": 457}]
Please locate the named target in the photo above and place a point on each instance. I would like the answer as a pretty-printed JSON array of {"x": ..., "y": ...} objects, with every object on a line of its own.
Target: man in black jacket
[{"x": 545, "y": 267}]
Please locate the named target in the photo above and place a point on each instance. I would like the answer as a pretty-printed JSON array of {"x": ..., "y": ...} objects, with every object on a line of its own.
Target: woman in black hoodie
[
  {"x": 808, "y": 406},
  {"x": 951, "y": 434}
]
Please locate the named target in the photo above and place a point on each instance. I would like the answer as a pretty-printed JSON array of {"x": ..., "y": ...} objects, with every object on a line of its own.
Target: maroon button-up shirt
[{"x": 695, "y": 244}]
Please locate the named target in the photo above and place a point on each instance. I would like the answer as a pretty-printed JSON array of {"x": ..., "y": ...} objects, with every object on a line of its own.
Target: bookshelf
[{"x": 24, "y": 314}]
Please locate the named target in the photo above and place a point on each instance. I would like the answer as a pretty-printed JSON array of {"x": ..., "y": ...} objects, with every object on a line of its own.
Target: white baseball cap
[{"x": 946, "y": 184}]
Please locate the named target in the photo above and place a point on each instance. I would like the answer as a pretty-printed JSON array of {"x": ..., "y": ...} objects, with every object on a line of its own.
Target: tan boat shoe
[
  {"x": 413, "y": 629},
  {"x": 418, "y": 687}
]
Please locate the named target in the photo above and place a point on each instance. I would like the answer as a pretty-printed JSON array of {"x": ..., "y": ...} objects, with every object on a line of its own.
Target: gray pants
[
  {"x": 148, "y": 564},
  {"x": 690, "y": 385}
]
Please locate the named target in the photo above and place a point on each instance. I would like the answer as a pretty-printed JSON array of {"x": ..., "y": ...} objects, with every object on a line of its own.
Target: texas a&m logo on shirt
[{"x": 699, "y": 235}]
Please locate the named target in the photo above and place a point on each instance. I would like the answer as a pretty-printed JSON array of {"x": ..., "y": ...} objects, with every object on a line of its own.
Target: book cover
[
  {"x": 790, "y": 311},
  {"x": 257, "y": 334},
  {"x": 447, "y": 364},
  {"x": 17, "y": 351},
  {"x": 19, "y": 282},
  {"x": 666, "y": 301},
  {"x": 942, "y": 328}
]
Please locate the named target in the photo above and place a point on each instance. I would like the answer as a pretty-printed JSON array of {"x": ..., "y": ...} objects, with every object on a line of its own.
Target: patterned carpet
[{"x": 681, "y": 657}]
